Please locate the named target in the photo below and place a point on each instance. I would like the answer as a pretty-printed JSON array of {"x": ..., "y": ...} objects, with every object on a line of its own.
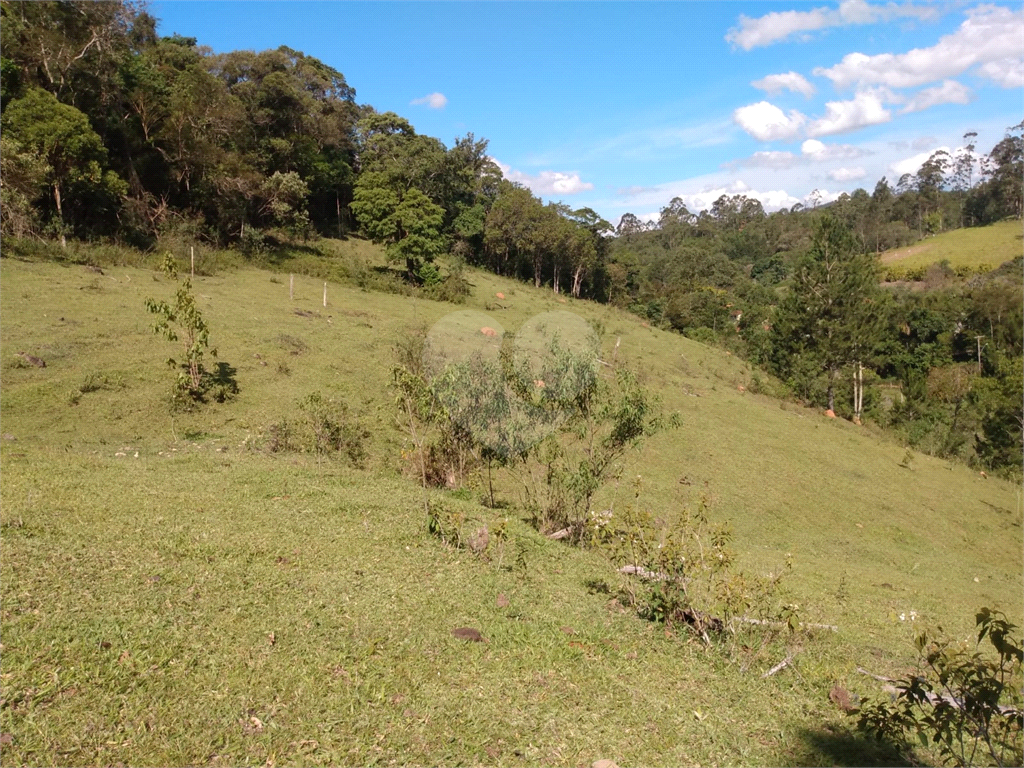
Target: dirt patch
[{"x": 899, "y": 254}]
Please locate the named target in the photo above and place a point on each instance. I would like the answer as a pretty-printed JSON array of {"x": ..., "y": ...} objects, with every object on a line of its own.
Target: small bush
[
  {"x": 332, "y": 430},
  {"x": 281, "y": 437},
  {"x": 682, "y": 571}
]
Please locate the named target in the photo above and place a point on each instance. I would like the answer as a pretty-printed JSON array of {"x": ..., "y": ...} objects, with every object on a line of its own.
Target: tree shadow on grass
[
  {"x": 223, "y": 382},
  {"x": 835, "y": 745}
]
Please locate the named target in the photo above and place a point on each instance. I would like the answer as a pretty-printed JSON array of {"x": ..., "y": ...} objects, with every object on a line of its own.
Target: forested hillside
[{"x": 113, "y": 133}]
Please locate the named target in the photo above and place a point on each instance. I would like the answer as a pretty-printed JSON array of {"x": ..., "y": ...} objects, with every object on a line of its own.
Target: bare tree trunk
[
  {"x": 60, "y": 215},
  {"x": 577, "y": 282}
]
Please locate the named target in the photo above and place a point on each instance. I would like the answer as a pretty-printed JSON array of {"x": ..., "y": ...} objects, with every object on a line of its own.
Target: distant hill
[{"x": 972, "y": 247}]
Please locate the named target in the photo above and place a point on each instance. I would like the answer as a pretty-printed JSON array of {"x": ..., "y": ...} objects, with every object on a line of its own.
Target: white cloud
[
  {"x": 700, "y": 194},
  {"x": 771, "y": 200},
  {"x": 990, "y": 34},
  {"x": 792, "y": 81},
  {"x": 1009, "y": 73},
  {"x": 770, "y": 160},
  {"x": 950, "y": 92},
  {"x": 546, "y": 182},
  {"x": 842, "y": 116},
  {"x": 432, "y": 100},
  {"x": 767, "y": 122},
  {"x": 812, "y": 151},
  {"x": 780, "y": 25},
  {"x": 913, "y": 164},
  {"x": 819, "y": 152},
  {"x": 847, "y": 174}
]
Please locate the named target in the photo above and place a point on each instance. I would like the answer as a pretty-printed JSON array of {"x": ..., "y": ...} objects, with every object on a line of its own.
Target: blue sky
[{"x": 623, "y": 106}]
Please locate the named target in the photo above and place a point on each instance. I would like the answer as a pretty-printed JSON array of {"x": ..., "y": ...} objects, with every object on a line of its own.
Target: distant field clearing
[{"x": 970, "y": 247}]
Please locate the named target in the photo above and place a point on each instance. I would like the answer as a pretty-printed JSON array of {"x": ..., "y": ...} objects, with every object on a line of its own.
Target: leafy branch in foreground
[{"x": 968, "y": 705}]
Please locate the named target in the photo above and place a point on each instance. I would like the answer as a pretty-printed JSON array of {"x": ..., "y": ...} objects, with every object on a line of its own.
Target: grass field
[
  {"x": 971, "y": 247},
  {"x": 173, "y": 596}
]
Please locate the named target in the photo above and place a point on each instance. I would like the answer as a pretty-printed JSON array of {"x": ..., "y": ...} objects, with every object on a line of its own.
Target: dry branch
[
  {"x": 778, "y": 667},
  {"x": 931, "y": 698}
]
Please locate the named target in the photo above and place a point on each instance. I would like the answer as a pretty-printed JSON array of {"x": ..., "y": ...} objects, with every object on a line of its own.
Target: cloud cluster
[
  {"x": 698, "y": 196},
  {"x": 811, "y": 151},
  {"x": 843, "y": 116},
  {"x": 950, "y": 92},
  {"x": 790, "y": 81},
  {"x": 847, "y": 174},
  {"x": 990, "y": 35},
  {"x": 1008, "y": 73},
  {"x": 548, "y": 183},
  {"x": 767, "y": 122},
  {"x": 782, "y": 25},
  {"x": 913, "y": 164},
  {"x": 432, "y": 100}
]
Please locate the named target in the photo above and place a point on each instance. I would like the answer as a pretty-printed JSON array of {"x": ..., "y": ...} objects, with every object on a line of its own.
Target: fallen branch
[
  {"x": 783, "y": 625},
  {"x": 778, "y": 667},
  {"x": 879, "y": 678},
  {"x": 557, "y": 535},
  {"x": 932, "y": 698},
  {"x": 643, "y": 573}
]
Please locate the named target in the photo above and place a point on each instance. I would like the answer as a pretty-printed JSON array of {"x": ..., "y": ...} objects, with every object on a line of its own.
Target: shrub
[
  {"x": 683, "y": 570},
  {"x": 331, "y": 429},
  {"x": 965, "y": 704}
]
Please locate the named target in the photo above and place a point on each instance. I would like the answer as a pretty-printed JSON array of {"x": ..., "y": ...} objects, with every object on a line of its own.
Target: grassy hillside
[
  {"x": 172, "y": 595},
  {"x": 973, "y": 247}
]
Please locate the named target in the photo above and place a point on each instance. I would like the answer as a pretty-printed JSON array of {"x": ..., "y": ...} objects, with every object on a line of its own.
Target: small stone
[
  {"x": 604, "y": 764},
  {"x": 841, "y": 698},
  {"x": 501, "y": 601},
  {"x": 478, "y": 541},
  {"x": 500, "y": 295}
]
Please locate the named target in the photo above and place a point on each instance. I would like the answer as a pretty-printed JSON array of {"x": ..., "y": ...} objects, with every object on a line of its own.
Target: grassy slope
[
  {"x": 186, "y": 558},
  {"x": 971, "y": 247}
]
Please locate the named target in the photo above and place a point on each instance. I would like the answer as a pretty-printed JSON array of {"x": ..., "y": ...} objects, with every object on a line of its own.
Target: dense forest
[{"x": 113, "y": 133}]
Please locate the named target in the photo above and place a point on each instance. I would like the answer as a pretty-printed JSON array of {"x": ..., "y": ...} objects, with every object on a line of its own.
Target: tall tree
[
  {"x": 72, "y": 151},
  {"x": 829, "y": 320}
]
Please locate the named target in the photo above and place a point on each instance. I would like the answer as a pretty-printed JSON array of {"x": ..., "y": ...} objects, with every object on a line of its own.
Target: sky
[{"x": 621, "y": 107}]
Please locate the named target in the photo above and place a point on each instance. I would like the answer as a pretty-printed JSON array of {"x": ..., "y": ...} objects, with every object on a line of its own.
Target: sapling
[{"x": 194, "y": 334}]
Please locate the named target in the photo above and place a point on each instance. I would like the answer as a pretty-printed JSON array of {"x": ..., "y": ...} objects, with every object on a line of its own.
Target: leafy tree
[
  {"x": 24, "y": 175},
  {"x": 829, "y": 319},
  {"x": 409, "y": 225},
  {"x": 61, "y": 136}
]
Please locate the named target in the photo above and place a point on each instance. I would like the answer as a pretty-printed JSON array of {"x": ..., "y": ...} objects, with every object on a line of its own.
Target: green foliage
[
  {"x": 683, "y": 572},
  {"x": 966, "y": 704},
  {"x": 25, "y": 175},
  {"x": 194, "y": 382},
  {"x": 597, "y": 423},
  {"x": 332, "y": 429},
  {"x": 70, "y": 155}
]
